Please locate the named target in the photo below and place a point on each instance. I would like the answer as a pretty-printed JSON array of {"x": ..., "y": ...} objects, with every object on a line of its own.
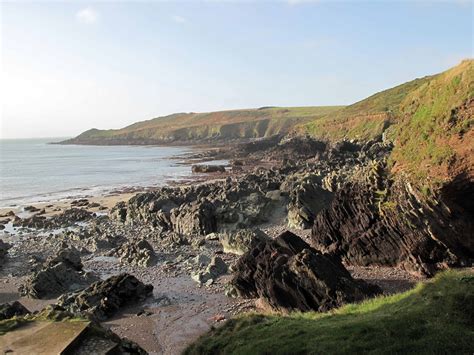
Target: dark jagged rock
[
  {"x": 375, "y": 221},
  {"x": 103, "y": 299},
  {"x": 205, "y": 169},
  {"x": 287, "y": 275},
  {"x": 194, "y": 218},
  {"x": 70, "y": 257},
  {"x": 62, "y": 273},
  {"x": 13, "y": 309}
]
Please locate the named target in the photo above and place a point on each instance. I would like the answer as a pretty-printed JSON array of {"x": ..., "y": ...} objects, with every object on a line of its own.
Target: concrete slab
[{"x": 42, "y": 337}]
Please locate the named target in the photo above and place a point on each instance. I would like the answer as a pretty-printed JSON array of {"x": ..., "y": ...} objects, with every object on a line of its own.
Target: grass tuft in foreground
[{"x": 435, "y": 317}]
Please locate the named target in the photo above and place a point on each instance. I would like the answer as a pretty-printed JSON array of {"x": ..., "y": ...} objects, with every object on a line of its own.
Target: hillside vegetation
[
  {"x": 434, "y": 137},
  {"x": 195, "y": 127},
  {"x": 429, "y": 119},
  {"x": 435, "y": 317},
  {"x": 365, "y": 119}
]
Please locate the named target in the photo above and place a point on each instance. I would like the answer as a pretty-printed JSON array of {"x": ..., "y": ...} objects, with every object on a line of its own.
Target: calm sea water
[{"x": 31, "y": 170}]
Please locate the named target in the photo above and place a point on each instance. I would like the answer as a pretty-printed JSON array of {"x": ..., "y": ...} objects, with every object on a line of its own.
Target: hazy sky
[{"x": 67, "y": 67}]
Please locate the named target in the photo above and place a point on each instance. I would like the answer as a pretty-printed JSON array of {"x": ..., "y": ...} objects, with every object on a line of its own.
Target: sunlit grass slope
[
  {"x": 430, "y": 121},
  {"x": 365, "y": 119},
  {"x": 434, "y": 137},
  {"x": 436, "y": 317}
]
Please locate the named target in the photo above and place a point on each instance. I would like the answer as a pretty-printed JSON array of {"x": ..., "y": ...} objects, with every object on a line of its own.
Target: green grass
[
  {"x": 248, "y": 123},
  {"x": 365, "y": 119},
  {"x": 420, "y": 116},
  {"x": 436, "y": 317},
  {"x": 430, "y": 134}
]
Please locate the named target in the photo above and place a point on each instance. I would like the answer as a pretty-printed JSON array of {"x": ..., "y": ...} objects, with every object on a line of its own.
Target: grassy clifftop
[
  {"x": 192, "y": 127},
  {"x": 434, "y": 137},
  {"x": 435, "y": 317},
  {"x": 365, "y": 119},
  {"x": 430, "y": 121}
]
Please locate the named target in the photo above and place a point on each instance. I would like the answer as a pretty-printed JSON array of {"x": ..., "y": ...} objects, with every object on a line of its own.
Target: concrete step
[{"x": 43, "y": 337}]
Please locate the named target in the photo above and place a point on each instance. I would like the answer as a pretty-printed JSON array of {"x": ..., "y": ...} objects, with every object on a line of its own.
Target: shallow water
[{"x": 31, "y": 170}]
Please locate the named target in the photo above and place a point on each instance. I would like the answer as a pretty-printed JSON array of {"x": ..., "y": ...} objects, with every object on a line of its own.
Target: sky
[{"x": 69, "y": 66}]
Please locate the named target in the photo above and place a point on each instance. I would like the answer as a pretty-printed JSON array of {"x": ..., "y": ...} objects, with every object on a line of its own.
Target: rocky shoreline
[{"x": 290, "y": 224}]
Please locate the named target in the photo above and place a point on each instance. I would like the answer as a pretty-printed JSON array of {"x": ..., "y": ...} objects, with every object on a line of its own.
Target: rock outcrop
[
  {"x": 376, "y": 221},
  {"x": 307, "y": 198},
  {"x": 135, "y": 252},
  {"x": 62, "y": 220},
  {"x": 103, "y": 299},
  {"x": 288, "y": 275},
  {"x": 298, "y": 188},
  {"x": 241, "y": 241},
  {"x": 211, "y": 271},
  {"x": 60, "y": 274},
  {"x": 205, "y": 208},
  {"x": 198, "y": 217}
]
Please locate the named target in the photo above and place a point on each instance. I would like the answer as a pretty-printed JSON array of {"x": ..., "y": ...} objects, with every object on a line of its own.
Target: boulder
[
  {"x": 103, "y": 299},
  {"x": 241, "y": 241},
  {"x": 13, "y": 309},
  {"x": 151, "y": 207},
  {"x": 69, "y": 256},
  {"x": 286, "y": 274},
  {"x": 197, "y": 217},
  {"x": 213, "y": 270},
  {"x": 61, "y": 273},
  {"x": 208, "y": 169},
  {"x": 202, "y": 260},
  {"x": 307, "y": 198},
  {"x": 136, "y": 252}
]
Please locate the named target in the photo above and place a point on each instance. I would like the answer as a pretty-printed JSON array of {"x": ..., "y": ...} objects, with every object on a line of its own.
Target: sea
[{"x": 33, "y": 170}]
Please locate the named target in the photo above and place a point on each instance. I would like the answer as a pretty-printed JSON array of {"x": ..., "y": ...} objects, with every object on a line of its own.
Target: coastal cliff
[{"x": 194, "y": 128}]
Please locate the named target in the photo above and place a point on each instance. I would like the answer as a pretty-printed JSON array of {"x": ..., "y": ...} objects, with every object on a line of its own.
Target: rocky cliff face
[
  {"x": 192, "y": 128},
  {"x": 374, "y": 220}
]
